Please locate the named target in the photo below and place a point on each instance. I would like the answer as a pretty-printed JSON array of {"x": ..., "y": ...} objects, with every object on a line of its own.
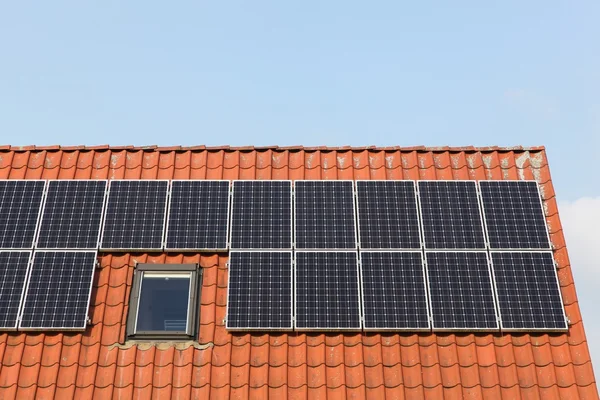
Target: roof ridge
[{"x": 270, "y": 147}]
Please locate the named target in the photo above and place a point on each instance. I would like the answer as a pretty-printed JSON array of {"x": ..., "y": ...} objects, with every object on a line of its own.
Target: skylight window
[{"x": 164, "y": 301}]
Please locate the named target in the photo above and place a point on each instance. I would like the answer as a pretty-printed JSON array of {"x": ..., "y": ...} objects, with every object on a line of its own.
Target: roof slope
[{"x": 287, "y": 366}]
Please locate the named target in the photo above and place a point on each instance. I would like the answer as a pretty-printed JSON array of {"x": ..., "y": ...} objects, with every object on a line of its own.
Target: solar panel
[
  {"x": 13, "y": 273},
  {"x": 20, "y": 205},
  {"x": 58, "y": 291},
  {"x": 388, "y": 217},
  {"x": 394, "y": 291},
  {"x": 460, "y": 291},
  {"x": 135, "y": 215},
  {"x": 327, "y": 291},
  {"x": 325, "y": 215},
  {"x": 261, "y": 215},
  {"x": 450, "y": 214},
  {"x": 198, "y": 215},
  {"x": 72, "y": 214},
  {"x": 260, "y": 290},
  {"x": 514, "y": 215},
  {"x": 528, "y": 291}
]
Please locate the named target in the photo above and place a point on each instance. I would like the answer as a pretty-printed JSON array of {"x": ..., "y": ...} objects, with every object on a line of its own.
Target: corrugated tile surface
[{"x": 286, "y": 366}]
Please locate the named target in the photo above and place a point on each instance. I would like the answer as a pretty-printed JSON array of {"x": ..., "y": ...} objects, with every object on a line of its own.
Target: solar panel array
[
  {"x": 398, "y": 255},
  {"x": 58, "y": 291},
  {"x": 260, "y": 290},
  {"x": 135, "y": 215},
  {"x": 72, "y": 215},
  {"x": 198, "y": 215},
  {"x": 20, "y": 205}
]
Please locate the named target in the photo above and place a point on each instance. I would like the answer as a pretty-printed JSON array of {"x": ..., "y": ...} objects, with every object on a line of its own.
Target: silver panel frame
[
  {"x": 332, "y": 249},
  {"x": 292, "y": 292},
  {"x": 231, "y": 224},
  {"x": 169, "y": 204},
  {"x": 39, "y": 213},
  {"x": 425, "y": 293},
  {"x": 492, "y": 286},
  {"x": 100, "y": 227},
  {"x": 418, "y": 208},
  {"x": 89, "y": 295},
  {"x": 359, "y": 328},
  {"x": 128, "y": 249},
  {"x": 565, "y": 318},
  {"x": 23, "y": 289},
  {"x": 543, "y": 210},
  {"x": 483, "y": 230}
]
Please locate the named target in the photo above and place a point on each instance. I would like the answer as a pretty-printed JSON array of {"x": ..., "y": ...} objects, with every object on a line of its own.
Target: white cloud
[{"x": 581, "y": 224}]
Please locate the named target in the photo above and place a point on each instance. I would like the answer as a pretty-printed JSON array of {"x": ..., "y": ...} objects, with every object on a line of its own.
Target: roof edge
[{"x": 275, "y": 147}]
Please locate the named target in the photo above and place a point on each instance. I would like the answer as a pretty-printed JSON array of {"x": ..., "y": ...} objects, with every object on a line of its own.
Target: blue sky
[{"x": 312, "y": 73}]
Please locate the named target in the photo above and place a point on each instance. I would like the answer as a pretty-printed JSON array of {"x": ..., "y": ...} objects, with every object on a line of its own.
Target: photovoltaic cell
[
  {"x": 451, "y": 215},
  {"x": 13, "y": 273},
  {"x": 59, "y": 288},
  {"x": 513, "y": 214},
  {"x": 198, "y": 215},
  {"x": 135, "y": 215},
  {"x": 260, "y": 290},
  {"x": 325, "y": 215},
  {"x": 528, "y": 291},
  {"x": 327, "y": 290},
  {"x": 460, "y": 289},
  {"x": 394, "y": 295},
  {"x": 261, "y": 215},
  {"x": 388, "y": 217},
  {"x": 72, "y": 215},
  {"x": 20, "y": 205}
]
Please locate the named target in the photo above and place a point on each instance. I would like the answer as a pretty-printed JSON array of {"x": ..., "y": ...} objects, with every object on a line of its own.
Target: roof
[{"x": 223, "y": 365}]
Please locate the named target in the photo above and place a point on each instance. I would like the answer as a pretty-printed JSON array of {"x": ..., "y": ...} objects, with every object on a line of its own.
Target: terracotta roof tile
[{"x": 281, "y": 365}]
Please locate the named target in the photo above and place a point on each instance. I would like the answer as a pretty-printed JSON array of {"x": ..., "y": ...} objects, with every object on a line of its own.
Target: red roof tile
[{"x": 95, "y": 364}]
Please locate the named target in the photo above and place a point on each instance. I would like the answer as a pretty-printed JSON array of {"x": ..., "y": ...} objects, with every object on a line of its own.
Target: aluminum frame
[
  {"x": 232, "y": 226},
  {"x": 425, "y": 293},
  {"x": 566, "y": 320},
  {"x": 418, "y": 221},
  {"x": 41, "y": 220},
  {"x": 39, "y": 212},
  {"x": 492, "y": 287},
  {"x": 23, "y": 289},
  {"x": 295, "y": 222},
  {"x": 292, "y": 292},
  {"x": 141, "y": 249},
  {"x": 522, "y": 249},
  {"x": 359, "y": 328},
  {"x": 169, "y": 205},
  {"x": 483, "y": 230},
  {"x": 89, "y": 295}
]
